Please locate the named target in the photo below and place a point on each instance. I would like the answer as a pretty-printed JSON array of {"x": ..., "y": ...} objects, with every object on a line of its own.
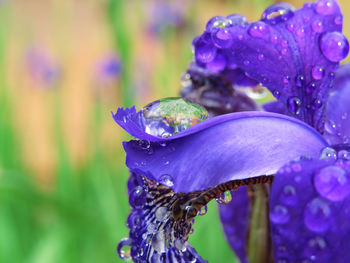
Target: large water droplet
[
  {"x": 221, "y": 38},
  {"x": 259, "y": 29},
  {"x": 279, "y": 215},
  {"x": 137, "y": 197},
  {"x": 224, "y": 198},
  {"x": 317, "y": 72},
  {"x": 278, "y": 13},
  {"x": 294, "y": 105},
  {"x": 166, "y": 117},
  {"x": 204, "y": 51},
  {"x": 166, "y": 180},
  {"x": 124, "y": 249},
  {"x": 317, "y": 26},
  {"x": 218, "y": 63},
  {"x": 317, "y": 215},
  {"x": 331, "y": 127},
  {"x": 334, "y": 46},
  {"x": 326, "y": 7},
  {"x": 328, "y": 153},
  {"x": 217, "y": 22},
  {"x": 333, "y": 183},
  {"x": 236, "y": 19}
]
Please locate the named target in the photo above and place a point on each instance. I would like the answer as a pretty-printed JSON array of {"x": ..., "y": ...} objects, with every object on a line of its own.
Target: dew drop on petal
[
  {"x": 203, "y": 210},
  {"x": 332, "y": 183},
  {"x": 317, "y": 26},
  {"x": 261, "y": 57},
  {"x": 217, "y": 64},
  {"x": 274, "y": 39},
  {"x": 286, "y": 79},
  {"x": 217, "y": 22},
  {"x": 338, "y": 20},
  {"x": 278, "y": 13},
  {"x": 344, "y": 155},
  {"x": 224, "y": 198},
  {"x": 288, "y": 195},
  {"x": 334, "y": 46},
  {"x": 328, "y": 153},
  {"x": 221, "y": 38},
  {"x": 317, "y": 72},
  {"x": 317, "y": 215},
  {"x": 204, "y": 52},
  {"x": 166, "y": 180},
  {"x": 294, "y": 105},
  {"x": 279, "y": 215},
  {"x": 124, "y": 249},
  {"x": 236, "y": 19},
  {"x": 316, "y": 249},
  {"x": 137, "y": 197},
  {"x": 331, "y": 127},
  {"x": 166, "y": 117},
  {"x": 326, "y": 7},
  {"x": 258, "y": 29}
]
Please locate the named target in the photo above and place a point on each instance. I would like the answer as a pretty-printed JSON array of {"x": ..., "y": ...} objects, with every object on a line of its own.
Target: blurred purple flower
[
  {"x": 295, "y": 54},
  {"x": 43, "y": 69},
  {"x": 108, "y": 69}
]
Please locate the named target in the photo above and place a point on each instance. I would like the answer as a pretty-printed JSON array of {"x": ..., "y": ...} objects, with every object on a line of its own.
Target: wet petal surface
[
  {"x": 310, "y": 211},
  {"x": 293, "y": 53},
  {"x": 228, "y": 147},
  {"x": 337, "y": 125}
]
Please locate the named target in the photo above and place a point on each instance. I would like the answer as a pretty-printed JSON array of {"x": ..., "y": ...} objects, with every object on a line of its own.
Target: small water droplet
[
  {"x": 334, "y": 46},
  {"x": 294, "y": 104},
  {"x": 317, "y": 72},
  {"x": 332, "y": 183},
  {"x": 279, "y": 12},
  {"x": 166, "y": 180},
  {"x": 186, "y": 80},
  {"x": 261, "y": 57},
  {"x": 276, "y": 94},
  {"x": 344, "y": 155},
  {"x": 279, "y": 214},
  {"x": 300, "y": 32},
  {"x": 169, "y": 116},
  {"x": 286, "y": 79},
  {"x": 240, "y": 37},
  {"x": 299, "y": 81},
  {"x": 203, "y": 210},
  {"x": 224, "y": 198},
  {"x": 274, "y": 39},
  {"x": 284, "y": 43},
  {"x": 161, "y": 213},
  {"x": 258, "y": 29},
  {"x": 246, "y": 62},
  {"x": 317, "y": 250},
  {"x": 288, "y": 195},
  {"x": 124, "y": 119},
  {"x": 330, "y": 127},
  {"x": 284, "y": 51},
  {"x": 317, "y": 26},
  {"x": 317, "y": 215},
  {"x": 326, "y": 7},
  {"x": 290, "y": 27},
  {"x": 137, "y": 197},
  {"x": 204, "y": 51},
  {"x": 124, "y": 249},
  {"x": 328, "y": 153}
]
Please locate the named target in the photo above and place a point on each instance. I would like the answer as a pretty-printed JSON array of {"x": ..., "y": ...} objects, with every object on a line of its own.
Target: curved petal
[
  {"x": 228, "y": 147},
  {"x": 294, "y": 54},
  {"x": 337, "y": 126},
  {"x": 235, "y": 221},
  {"x": 310, "y": 212}
]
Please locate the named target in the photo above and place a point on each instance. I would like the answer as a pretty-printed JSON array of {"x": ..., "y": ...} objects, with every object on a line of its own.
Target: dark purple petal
[
  {"x": 337, "y": 126},
  {"x": 276, "y": 107},
  {"x": 310, "y": 212},
  {"x": 235, "y": 221},
  {"x": 227, "y": 147},
  {"x": 214, "y": 92},
  {"x": 294, "y": 54}
]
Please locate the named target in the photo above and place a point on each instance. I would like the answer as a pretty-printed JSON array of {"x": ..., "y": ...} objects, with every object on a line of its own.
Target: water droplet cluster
[
  {"x": 310, "y": 209},
  {"x": 155, "y": 236},
  {"x": 169, "y": 116}
]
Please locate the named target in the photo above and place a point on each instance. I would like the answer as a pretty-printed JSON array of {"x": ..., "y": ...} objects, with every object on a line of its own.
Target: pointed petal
[
  {"x": 235, "y": 222},
  {"x": 310, "y": 212},
  {"x": 228, "y": 147}
]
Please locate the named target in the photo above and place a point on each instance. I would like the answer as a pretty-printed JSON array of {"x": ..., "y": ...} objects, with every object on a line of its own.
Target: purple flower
[{"x": 181, "y": 159}]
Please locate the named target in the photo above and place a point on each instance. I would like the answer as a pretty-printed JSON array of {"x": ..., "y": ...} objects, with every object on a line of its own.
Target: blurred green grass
[{"x": 81, "y": 216}]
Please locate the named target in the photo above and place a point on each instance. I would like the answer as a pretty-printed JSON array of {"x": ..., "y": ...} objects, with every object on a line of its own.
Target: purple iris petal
[
  {"x": 235, "y": 221},
  {"x": 276, "y": 107},
  {"x": 294, "y": 54},
  {"x": 220, "y": 149},
  {"x": 310, "y": 212},
  {"x": 337, "y": 126}
]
